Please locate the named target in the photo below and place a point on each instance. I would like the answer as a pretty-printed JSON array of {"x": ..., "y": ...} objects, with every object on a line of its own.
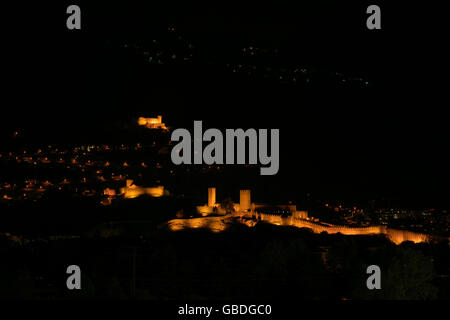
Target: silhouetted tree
[
  {"x": 406, "y": 274},
  {"x": 289, "y": 267}
]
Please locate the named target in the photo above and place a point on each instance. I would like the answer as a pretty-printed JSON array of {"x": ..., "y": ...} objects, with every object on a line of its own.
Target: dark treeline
[{"x": 259, "y": 263}]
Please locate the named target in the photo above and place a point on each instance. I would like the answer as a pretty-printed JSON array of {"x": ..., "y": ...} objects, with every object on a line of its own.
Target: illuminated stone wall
[
  {"x": 205, "y": 210},
  {"x": 214, "y": 224},
  {"x": 297, "y": 219},
  {"x": 132, "y": 191},
  {"x": 394, "y": 235},
  {"x": 398, "y": 236},
  {"x": 217, "y": 224},
  {"x": 300, "y": 214}
]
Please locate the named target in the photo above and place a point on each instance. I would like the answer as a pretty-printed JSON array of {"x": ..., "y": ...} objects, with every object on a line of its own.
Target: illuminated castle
[
  {"x": 131, "y": 191},
  {"x": 152, "y": 123},
  {"x": 281, "y": 215},
  {"x": 245, "y": 206},
  {"x": 213, "y": 207}
]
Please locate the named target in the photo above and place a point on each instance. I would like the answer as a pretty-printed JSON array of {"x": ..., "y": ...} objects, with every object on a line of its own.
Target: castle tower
[
  {"x": 129, "y": 182},
  {"x": 245, "y": 202},
  {"x": 211, "y": 197}
]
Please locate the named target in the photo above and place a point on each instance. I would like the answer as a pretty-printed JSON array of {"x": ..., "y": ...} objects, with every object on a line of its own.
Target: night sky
[{"x": 390, "y": 138}]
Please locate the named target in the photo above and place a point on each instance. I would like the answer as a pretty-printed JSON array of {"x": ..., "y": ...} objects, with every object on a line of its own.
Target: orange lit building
[
  {"x": 131, "y": 191},
  {"x": 281, "y": 215},
  {"x": 152, "y": 123}
]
